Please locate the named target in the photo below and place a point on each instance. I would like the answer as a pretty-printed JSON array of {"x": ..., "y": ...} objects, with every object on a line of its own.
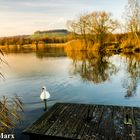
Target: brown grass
[{"x": 9, "y": 113}]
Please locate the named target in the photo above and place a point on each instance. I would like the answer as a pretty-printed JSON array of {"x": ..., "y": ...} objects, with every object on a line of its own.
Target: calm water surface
[{"x": 79, "y": 77}]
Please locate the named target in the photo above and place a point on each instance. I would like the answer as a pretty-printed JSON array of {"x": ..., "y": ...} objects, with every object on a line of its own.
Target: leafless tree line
[{"x": 95, "y": 26}]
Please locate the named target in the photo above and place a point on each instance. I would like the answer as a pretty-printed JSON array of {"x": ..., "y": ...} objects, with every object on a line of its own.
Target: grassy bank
[
  {"x": 130, "y": 45},
  {"x": 126, "y": 46}
]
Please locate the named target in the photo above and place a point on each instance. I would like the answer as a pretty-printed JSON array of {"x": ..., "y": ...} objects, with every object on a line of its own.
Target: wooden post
[
  {"x": 45, "y": 102},
  {"x": 127, "y": 118}
]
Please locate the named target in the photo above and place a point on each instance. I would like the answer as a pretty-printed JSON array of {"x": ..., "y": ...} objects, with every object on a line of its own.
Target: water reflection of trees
[
  {"x": 91, "y": 66},
  {"x": 41, "y": 52},
  {"x": 133, "y": 69},
  {"x": 51, "y": 52}
]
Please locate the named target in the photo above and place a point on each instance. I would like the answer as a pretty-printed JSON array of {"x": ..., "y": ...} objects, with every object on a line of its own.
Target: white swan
[{"x": 45, "y": 94}]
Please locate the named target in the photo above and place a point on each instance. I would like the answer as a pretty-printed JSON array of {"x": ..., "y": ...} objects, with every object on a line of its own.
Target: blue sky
[{"x": 27, "y": 16}]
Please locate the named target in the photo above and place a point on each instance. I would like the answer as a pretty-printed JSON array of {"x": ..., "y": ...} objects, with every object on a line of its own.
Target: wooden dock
[{"x": 86, "y": 122}]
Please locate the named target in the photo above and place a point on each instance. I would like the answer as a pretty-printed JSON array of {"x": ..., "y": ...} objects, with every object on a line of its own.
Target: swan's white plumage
[{"x": 45, "y": 94}]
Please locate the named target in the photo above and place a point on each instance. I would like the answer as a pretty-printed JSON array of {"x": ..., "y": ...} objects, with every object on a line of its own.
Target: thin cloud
[
  {"x": 42, "y": 5},
  {"x": 27, "y": 16}
]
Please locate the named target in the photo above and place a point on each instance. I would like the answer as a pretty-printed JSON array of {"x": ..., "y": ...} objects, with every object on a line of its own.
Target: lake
[{"x": 78, "y": 77}]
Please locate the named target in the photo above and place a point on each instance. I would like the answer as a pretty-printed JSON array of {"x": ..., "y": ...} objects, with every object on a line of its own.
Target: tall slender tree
[{"x": 132, "y": 15}]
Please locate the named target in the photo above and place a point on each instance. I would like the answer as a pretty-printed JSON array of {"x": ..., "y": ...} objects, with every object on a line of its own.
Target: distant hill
[
  {"x": 50, "y": 36},
  {"x": 53, "y": 33},
  {"x": 48, "y": 33}
]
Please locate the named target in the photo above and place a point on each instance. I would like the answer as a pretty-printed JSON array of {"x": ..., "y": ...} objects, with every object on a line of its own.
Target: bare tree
[
  {"x": 132, "y": 14},
  {"x": 94, "y": 26},
  {"x": 79, "y": 26},
  {"x": 100, "y": 24},
  {"x": 71, "y": 24}
]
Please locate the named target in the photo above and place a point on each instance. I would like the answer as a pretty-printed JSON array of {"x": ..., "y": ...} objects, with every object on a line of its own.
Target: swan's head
[{"x": 43, "y": 88}]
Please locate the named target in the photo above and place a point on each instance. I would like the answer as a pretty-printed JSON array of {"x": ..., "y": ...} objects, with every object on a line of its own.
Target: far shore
[{"x": 73, "y": 45}]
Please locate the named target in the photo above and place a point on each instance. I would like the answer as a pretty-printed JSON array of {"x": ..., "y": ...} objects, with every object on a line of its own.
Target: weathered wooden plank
[
  {"x": 86, "y": 118},
  {"x": 63, "y": 115},
  {"x": 133, "y": 133},
  {"x": 68, "y": 127},
  {"x": 82, "y": 116},
  {"x": 106, "y": 125},
  {"x": 88, "y": 122},
  {"x": 83, "y": 123},
  {"x": 54, "y": 125},
  {"x": 45, "y": 121},
  {"x": 118, "y": 122},
  {"x": 127, "y": 123},
  {"x": 90, "y": 126},
  {"x": 137, "y": 122},
  {"x": 98, "y": 112},
  {"x": 48, "y": 122}
]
